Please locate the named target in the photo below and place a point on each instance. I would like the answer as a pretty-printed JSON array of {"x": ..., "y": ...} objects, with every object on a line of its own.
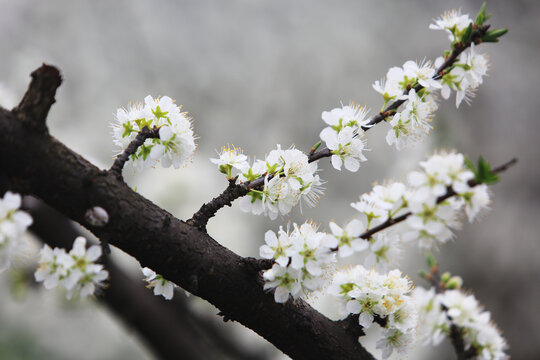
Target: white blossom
[
  {"x": 13, "y": 224},
  {"x": 285, "y": 280},
  {"x": 423, "y": 74},
  {"x": 347, "y": 147},
  {"x": 452, "y": 22},
  {"x": 393, "y": 339},
  {"x": 347, "y": 116},
  {"x": 161, "y": 286},
  {"x": 348, "y": 240},
  {"x": 231, "y": 158}
]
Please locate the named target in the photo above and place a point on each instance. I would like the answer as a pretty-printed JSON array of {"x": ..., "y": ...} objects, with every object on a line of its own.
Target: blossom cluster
[
  {"x": 430, "y": 218},
  {"x": 161, "y": 286},
  {"x": 370, "y": 294},
  {"x": 176, "y": 142},
  {"x": 77, "y": 271},
  {"x": 437, "y": 312},
  {"x": 13, "y": 223},
  {"x": 417, "y": 85},
  {"x": 289, "y": 177},
  {"x": 301, "y": 256},
  {"x": 344, "y": 136}
]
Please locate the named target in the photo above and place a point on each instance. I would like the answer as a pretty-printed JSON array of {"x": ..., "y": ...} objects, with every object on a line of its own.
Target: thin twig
[
  {"x": 201, "y": 217},
  {"x": 141, "y": 137},
  {"x": 449, "y": 193}
]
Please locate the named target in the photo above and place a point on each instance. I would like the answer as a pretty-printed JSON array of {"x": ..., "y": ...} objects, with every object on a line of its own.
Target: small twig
[
  {"x": 450, "y": 192},
  {"x": 141, "y": 137},
  {"x": 233, "y": 192},
  {"x": 37, "y": 101}
]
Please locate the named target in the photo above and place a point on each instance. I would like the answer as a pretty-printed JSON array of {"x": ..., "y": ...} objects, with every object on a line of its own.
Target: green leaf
[
  {"x": 482, "y": 17},
  {"x": 470, "y": 165},
  {"x": 485, "y": 175},
  {"x": 467, "y": 34},
  {"x": 494, "y": 35},
  {"x": 430, "y": 260},
  {"x": 315, "y": 147}
]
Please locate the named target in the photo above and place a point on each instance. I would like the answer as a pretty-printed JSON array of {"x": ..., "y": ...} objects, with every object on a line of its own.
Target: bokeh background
[{"x": 258, "y": 73}]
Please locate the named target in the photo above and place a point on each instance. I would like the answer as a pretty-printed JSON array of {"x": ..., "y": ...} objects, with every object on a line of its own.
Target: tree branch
[
  {"x": 170, "y": 328},
  {"x": 449, "y": 193},
  {"x": 38, "y": 99},
  {"x": 324, "y": 152},
  {"x": 38, "y": 164},
  {"x": 201, "y": 217}
]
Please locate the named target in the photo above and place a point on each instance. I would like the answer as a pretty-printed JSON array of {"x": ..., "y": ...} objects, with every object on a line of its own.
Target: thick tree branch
[
  {"x": 38, "y": 164},
  {"x": 33, "y": 109},
  {"x": 155, "y": 321}
]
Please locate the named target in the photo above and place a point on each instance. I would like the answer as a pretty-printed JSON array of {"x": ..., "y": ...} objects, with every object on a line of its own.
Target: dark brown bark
[{"x": 36, "y": 163}]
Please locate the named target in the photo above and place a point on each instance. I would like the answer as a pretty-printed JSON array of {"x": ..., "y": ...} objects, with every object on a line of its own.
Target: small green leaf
[
  {"x": 494, "y": 35},
  {"x": 484, "y": 175},
  {"x": 315, "y": 147},
  {"x": 467, "y": 34},
  {"x": 430, "y": 260},
  {"x": 482, "y": 17}
]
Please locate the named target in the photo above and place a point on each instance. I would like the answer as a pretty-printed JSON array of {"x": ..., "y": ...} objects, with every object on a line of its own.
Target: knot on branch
[{"x": 35, "y": 105}]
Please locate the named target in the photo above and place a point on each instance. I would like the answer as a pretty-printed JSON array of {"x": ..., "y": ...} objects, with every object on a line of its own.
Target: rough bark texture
[{"x": 36, "y": 163}]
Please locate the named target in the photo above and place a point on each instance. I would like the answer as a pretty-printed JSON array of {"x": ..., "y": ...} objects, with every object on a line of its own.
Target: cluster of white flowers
[
  {"x": 344, "y": 136},
  {"x": 431, "y": 220},
  {"x": 176, "y": 142},
  {"x": 77, "y": 270},
  {"x": 288, "y": 178},
  {"x": 159, "y": 283},
  {"x": 412, "y": 123},
  {"x": 13, "y": 223},
  {"x": 465, "y": 76},
  {"x": 301, "y": 256},
  {"x": 370, "y": 294},
  {"x": 438, "y": 312}
]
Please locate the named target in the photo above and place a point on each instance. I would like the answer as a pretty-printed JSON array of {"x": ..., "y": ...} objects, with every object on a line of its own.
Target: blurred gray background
[{"x": 258, "y": 73}]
